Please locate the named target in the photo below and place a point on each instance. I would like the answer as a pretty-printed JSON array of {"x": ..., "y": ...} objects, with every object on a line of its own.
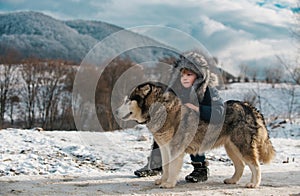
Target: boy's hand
[{"x": 192, "y": 106}]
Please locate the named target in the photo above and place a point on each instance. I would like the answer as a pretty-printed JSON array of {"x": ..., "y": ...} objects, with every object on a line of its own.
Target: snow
[
  {"x": 79, "y": 163},
  {"x": 36, "y": 162}
]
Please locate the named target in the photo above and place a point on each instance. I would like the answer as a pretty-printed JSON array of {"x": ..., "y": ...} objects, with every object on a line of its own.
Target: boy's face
[{"x": 187, "y": 78}]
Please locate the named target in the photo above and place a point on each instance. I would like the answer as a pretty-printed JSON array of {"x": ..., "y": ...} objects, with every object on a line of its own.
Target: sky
[{"x": 251, "y": 32}]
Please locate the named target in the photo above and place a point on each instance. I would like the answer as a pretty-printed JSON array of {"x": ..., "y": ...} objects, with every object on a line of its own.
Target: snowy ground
[
  {"x": 93, "y": 163},
  {"x": 85, "y": 163}
]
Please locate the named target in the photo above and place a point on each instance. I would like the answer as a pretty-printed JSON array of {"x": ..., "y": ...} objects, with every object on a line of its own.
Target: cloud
[
  {"x": 212, "y": 26},
  {"x": 235, "y": 31}
]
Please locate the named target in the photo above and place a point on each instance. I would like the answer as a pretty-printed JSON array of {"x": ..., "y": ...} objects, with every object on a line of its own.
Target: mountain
[
  {"x": 34, "y": 34},
  {"x": 38, "y": 35},
  {"x": 96, "y": 29}
]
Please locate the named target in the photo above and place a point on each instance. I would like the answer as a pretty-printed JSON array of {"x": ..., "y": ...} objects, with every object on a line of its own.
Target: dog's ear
[{"x": 146, "y": 89}]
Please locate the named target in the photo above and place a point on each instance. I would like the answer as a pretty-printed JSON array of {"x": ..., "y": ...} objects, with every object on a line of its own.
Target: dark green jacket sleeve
[{"x": 212, "y": 106}]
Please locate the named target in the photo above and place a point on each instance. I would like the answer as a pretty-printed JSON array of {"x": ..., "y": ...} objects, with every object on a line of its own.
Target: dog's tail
[
  {"x": 265, "y": 148},
  {"x": 266, "y": 151}
]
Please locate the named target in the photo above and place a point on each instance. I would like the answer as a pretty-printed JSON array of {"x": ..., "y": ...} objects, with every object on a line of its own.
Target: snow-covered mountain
[
  {"x": 96, "y": 29},
  {"x": 34, "y": 34}
]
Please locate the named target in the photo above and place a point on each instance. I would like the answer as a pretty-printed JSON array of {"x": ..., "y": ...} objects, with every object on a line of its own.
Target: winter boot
[
  {"x": 199, "y": 174},
  {"x": 154, "y": 165}
]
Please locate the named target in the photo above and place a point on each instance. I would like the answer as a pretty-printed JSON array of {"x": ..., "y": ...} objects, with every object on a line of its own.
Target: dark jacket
[{"x": 211, "y": 108}]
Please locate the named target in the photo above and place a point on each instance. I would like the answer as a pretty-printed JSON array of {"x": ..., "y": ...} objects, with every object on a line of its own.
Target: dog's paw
[
  {"x": 251, "y": 185},
  {"x": 230, "y": 181},
  {"x": 158, "y": 181},
  {"x": 167, "y": 185}
]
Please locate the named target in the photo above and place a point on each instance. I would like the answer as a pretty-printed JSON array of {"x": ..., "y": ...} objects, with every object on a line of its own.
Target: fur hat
[{"x": 200, "y": 64}]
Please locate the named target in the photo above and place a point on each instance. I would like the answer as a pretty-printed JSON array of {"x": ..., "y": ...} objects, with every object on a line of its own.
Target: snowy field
[{"x": 95, "y": 163}]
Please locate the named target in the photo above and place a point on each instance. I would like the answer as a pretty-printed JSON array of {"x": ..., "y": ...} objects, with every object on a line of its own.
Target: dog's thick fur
[{"x": 178, "y": 130}]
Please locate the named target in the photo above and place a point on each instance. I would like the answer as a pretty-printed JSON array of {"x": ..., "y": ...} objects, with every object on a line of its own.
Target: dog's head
[{"x": 136, "y": 106}]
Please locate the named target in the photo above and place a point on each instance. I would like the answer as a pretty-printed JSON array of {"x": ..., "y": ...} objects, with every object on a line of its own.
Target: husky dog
[{"x": 177, "y": 130}]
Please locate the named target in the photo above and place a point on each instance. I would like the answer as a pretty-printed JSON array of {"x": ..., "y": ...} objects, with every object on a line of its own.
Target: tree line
[{"x": 38, "y": 93}]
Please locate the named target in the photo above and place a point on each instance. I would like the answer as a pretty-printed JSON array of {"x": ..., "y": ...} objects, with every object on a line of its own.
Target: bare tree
[
  {"x": 297, "y": 75},
  {"x": 29, "y": 72},
  {"x": 243, "y": 72},
  {"x": 290, "y": 88},
  {"x": 7, "y": 67},
  {"x": 50, "y": 80},
  {"x": 293, "y": 71},
  {"x": 83, "y": 97},
  {"x": 104, "y": 90},
  {"x": 274, "y": 75},
  {"x": 12, "y": 102},
  {"x": 66, "y": 115}
]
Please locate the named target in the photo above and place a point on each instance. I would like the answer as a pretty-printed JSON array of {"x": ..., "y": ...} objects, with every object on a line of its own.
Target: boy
[{"x": 194, "y": 78}]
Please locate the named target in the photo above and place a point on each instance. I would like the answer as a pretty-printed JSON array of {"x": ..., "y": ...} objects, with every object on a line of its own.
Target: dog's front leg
[
  {"x": 165, "y": 165},
  {"x": 174, "y": 167}
]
